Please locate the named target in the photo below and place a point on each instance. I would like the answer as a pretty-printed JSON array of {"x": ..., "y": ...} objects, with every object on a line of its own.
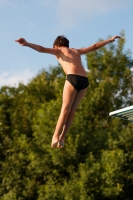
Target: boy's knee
[{"x": 66, "y": 111}]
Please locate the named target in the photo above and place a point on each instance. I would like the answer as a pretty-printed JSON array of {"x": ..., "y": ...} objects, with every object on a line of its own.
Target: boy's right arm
[{"x": 38, "y": 48}]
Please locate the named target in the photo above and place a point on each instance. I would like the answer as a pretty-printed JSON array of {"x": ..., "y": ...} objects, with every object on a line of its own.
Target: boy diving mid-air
[{"x": 76, "y": 83}]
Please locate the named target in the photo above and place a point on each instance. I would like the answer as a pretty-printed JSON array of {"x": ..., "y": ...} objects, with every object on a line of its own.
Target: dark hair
[{"x": 61, "y": 41}]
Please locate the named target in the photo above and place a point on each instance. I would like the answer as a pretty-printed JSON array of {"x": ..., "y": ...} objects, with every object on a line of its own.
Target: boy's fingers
[{"x": 18, "y": 40}]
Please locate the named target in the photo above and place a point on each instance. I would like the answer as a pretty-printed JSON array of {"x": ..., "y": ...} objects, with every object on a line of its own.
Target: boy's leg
[
  {"x": 69, "y": 94},
  {"x": 79, "y": 96}
]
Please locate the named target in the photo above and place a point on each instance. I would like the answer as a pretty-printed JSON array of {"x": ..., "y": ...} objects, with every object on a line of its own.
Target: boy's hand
[
  {"x": 113, "y": 38},
  {"x": 21, "y": 41}
]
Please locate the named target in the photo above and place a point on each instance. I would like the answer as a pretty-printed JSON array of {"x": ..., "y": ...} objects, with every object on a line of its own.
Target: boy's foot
[
  {"x": 55, "y": 141},
  {"x": 60, "y": 144},
  {"x": 54, "y": 145}
]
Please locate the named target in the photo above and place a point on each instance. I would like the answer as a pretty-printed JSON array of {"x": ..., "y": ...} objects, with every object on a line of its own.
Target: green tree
[
  {"x": 96, "y": 162},
  {"x": 93, "y": 161}
]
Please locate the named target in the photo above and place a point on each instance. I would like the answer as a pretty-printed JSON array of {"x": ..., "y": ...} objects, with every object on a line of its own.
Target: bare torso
[{"x": 70, "y": 61}]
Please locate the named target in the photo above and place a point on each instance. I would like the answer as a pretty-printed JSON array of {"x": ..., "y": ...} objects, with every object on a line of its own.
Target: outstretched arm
[
  {"x": 97, "y": 45},
  {"x": 38, "y": 48}
]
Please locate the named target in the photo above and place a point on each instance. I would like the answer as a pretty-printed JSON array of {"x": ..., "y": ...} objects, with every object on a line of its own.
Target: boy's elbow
[
  {"x": 41, "y": 49},
  {"x": 95, "y": 47}
]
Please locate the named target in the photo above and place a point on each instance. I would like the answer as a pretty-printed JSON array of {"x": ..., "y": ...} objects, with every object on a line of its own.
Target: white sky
[{"x": 40, "y": 21}]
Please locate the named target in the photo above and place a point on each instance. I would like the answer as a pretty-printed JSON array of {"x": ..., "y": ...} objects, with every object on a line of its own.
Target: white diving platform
[{"x": 124, "y": 113}]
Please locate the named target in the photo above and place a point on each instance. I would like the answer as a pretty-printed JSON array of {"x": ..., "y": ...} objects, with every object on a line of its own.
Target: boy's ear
[{"x": 56, "y": 47}]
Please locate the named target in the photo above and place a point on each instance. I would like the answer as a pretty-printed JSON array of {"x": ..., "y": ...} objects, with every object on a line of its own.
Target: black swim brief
[{"x": 77, "y": 81}]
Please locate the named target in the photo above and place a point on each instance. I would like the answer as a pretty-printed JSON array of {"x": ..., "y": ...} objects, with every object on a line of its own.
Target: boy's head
[{"x": 61, "y": 41}]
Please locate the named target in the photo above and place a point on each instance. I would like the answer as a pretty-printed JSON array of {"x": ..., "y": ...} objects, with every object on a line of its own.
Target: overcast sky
[{"x": 83, "y": 22}]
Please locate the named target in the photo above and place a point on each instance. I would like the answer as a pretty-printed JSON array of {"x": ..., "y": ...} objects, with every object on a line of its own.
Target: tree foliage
[{"x": 96, "y": 162}]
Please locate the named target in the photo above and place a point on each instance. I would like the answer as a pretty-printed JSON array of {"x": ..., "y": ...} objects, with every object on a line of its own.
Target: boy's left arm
[{"x": 96, "y": 46}]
